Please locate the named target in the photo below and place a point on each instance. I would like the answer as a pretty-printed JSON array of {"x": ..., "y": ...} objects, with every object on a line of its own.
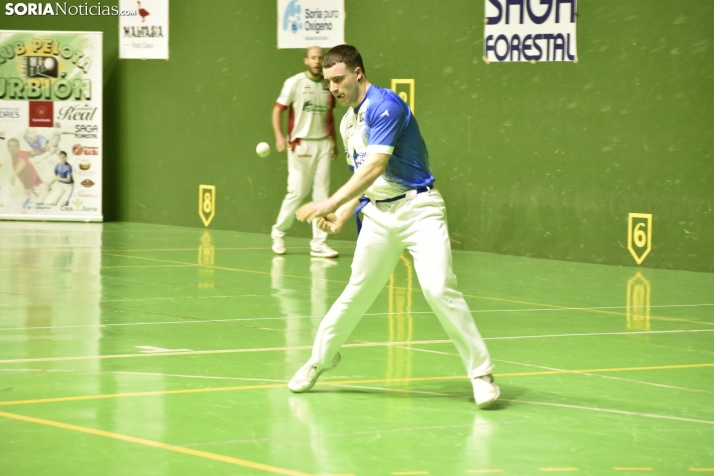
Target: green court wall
[{"x": 543, "y": 160}]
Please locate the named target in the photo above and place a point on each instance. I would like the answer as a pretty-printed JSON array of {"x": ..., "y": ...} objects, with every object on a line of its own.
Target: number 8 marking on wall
[
  {"x": 639, "y": 235},
  {"x": 206, "y": 203}
]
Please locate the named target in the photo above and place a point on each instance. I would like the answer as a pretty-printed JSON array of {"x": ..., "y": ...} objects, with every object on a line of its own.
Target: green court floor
[{"x": 132, "y": 349}]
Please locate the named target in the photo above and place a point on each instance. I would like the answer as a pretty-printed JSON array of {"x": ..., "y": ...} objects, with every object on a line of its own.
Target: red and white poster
[{"x": 51, "y": 125}]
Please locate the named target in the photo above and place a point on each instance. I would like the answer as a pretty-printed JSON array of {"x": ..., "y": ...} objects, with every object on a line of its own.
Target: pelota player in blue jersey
[
  {"x": 391, "y": 173},
  {"x": 62, "y": 192}
]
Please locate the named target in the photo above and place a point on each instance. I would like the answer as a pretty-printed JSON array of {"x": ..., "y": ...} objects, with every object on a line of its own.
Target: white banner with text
[{"x": 305, "y": 23}]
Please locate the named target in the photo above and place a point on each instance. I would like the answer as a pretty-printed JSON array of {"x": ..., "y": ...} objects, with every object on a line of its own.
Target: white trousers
[
  {"x": 308, "y": 168},
  {"x": 60, "y": 194},
  {"x": 419, "y": 225}
]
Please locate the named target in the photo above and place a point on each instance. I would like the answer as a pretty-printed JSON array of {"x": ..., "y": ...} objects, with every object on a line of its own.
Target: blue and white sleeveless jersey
[
  {"x": 383, "y": 123},
  {"x": 64, "y": 171}
]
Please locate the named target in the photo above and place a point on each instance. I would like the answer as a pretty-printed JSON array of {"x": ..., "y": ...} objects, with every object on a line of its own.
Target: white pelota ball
[{"x": 263, "y": 149}]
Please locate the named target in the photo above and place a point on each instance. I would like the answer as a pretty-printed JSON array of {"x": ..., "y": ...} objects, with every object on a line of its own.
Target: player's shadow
[{"x": 451, "y": 390}]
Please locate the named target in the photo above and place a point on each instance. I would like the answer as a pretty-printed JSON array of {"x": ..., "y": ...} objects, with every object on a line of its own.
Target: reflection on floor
[{"x": 140, "y": 349}]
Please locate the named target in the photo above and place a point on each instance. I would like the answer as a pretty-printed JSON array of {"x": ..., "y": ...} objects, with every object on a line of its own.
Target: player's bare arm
[
  {"x": 333, "y": 134},
  {"x": 17, "y": 171},
  {"x": 366, "y": 174},
  {"x": 20, "y": 167},
  {"x": 280, "y": 141}
]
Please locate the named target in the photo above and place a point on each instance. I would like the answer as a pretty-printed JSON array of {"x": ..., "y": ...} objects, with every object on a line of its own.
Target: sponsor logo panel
[
  {"x": 86, "y": 131},
  {"x": 77, "y": 113},
  {"x": 9, "y": 114},
  {"x": 40, "y": 67},
  {"x": 79, "y": 149},
  {"x": 41, "y": 113}
]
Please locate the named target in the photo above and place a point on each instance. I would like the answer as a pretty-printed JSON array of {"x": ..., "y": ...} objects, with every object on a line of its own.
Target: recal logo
[{"x": 41, "y": 114}]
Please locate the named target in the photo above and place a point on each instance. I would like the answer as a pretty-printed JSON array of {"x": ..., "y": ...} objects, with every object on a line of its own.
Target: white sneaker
[
  {"x": 323, "y": 251},
  {"x": 306, "y": 378},
  {"x": 485, "y": 390},
  {"x": 279, "y": 246}
]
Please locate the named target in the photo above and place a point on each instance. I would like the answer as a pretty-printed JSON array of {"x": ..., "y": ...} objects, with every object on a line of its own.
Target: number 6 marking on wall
[
  {"x": 206, "y": 203},
  {"x": 639, "y": 235}
]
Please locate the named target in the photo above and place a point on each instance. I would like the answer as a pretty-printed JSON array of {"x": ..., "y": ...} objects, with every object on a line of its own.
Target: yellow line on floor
[
  {"x": 702, "y": 470},
  {"x": 283, "y": 349},
  {"x": 598, "y": 311},
  {"x": 156, "y": 354},
  {"x": 76, "y": 268},
  {"x": 408, "y": 289},
  {"x": 210, "y": 352},
  {"x": 222, "y": 268},
  {"x": 95, "y": 250},
  {"x": 265, "y": 273},
  {"x": 108, "y": 253},
  {"x": 620, "y": 369},
  {"x": 334, "y": 383},
  {"x": 142, "y": 394},
  {"x": 157, "y": 444}
]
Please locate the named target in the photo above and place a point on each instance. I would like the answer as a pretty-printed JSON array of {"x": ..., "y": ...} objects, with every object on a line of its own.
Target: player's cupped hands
[
  {"x": 330, "y": 223},
  {"x": 281, "y": 145},
  {"x": 312, "y": 210}
]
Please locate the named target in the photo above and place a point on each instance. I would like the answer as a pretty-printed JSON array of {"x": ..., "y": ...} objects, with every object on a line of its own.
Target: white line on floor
[{"x": 356, "y": 345}]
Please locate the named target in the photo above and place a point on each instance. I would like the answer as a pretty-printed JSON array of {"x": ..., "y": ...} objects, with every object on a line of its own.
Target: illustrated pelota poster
[{"x": 51, "y": 125}]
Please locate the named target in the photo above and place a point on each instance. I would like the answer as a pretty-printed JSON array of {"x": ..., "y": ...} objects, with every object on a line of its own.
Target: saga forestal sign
[
  {"x": 530, "y": 31},
  {"x": 51, "y": 125},
  {"x": 305, "y": 23}
]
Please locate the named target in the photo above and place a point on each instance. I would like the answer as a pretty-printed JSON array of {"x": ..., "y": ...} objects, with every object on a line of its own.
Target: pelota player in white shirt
[
  {"x": 391, "y": 173},
  {"x": 310, "y": 145}
]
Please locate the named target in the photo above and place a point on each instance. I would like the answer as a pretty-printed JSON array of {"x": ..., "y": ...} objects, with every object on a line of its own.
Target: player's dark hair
[
  {"x": 346, "y": 54},
  {"x": 63, "y": 153}
]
